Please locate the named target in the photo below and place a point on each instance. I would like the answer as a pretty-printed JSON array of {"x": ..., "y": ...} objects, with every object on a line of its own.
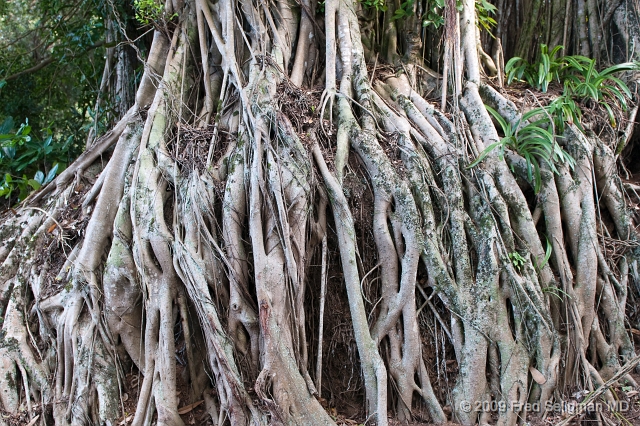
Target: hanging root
[{"x": 188, "y": 258}]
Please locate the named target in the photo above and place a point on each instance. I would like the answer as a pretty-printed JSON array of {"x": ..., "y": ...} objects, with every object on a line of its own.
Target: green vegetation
[
  {"x": 51, "y": 63},
  {"x": 27, "y": 163},
  {"x": 602, "y": 87},
  {"x": 539, "y": 74},
  {"x": 376, "y": 4},
  {"x": 52, "y": 59},
  {"x": 149, "y": 11},
  {"x": 564, "y": 109},
  {"x": 433, "y": 15},
  {"x": 529, "y": 137},
  {"x": 581, "y": 81},
  {"x": 534, "y": 134},
  {"x": 556, "y": 292},
  {"x": 517, "y": 260},
  {"x": 484, "y": 10}
]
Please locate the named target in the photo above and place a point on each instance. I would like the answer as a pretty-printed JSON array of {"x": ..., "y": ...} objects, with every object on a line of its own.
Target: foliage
[
  {"x": 530, "y": 138},
  {"x": 484, "y": 10},
  {"x": 539, "y": 74},
  {"x": 581, "y": 81},
  {"x": 65, "y": 41},
  {"x": 21, "y": 155},
  {"x": 602, "y": 87},
  {"x": 70, "y": 38},
  {"x": 434, "y": 12},
  {"x": 564, "y": 109},
  {"x": 406, "y": 9},
  {"x": 517, "y": 260},
  {"x": 148, "y": 11},
  {"x": 556, "y": 291},
  {"x": 433, "y": 16},
  {"x": 535, "y": 141}
]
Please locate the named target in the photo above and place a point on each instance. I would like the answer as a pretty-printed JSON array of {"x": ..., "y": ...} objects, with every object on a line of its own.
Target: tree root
[{"x": 199, "y": 276}]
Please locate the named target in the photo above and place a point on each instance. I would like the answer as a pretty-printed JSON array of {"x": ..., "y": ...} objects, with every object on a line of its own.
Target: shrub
[
  {"x": 530, "y": 138},
  {"x": 22, "y": 156}
]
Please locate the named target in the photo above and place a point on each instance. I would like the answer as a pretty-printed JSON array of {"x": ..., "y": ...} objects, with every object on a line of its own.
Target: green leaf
[
  {"x": 498, "y": 118},
  {"x": 39, "y": 177},
  {"x": 34, "y": 184},
  {"x": 9, "y": 151},
  {"x": 24, "y": 191},
  {"x": 612, "y": 117},
  {"x": 484, "y": 153},
  {"x": 555, "y": 50},
  {"x": 626, "y": 66},
  {"x": 52, "y": 174},
  {"x": 618, "y": 95},
  {"x": 511, "y": 64}
]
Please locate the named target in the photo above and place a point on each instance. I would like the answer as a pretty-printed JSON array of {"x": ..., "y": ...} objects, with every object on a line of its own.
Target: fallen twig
[{"x": 602, "y": 389}]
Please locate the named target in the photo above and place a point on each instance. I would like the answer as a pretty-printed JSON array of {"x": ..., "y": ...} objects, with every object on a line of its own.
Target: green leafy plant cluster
[
  {"x": 27, "y": 163},
  {"x": 433, "y": 15},
  {"x": 541, "y": 73},
  {"x": 378, "y": 5},
  {"x": 148, "y": 11},
  {"x": 602, "y": 87},
  {"x": 580, "y": 78},
  {"x": 484, "y": 10},
  {"x": 71, "y": 40},
  {"x": 534, "y": 134},
  {"x": 530, "y": 137},
  {"x": 564, "y": 109},
  {"x": 517, "y": 260},
  {"x": 434, "y": 12}
]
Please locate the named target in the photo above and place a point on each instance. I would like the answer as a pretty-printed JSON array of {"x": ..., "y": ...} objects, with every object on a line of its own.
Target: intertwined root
[{"x": 221, "y": 250}]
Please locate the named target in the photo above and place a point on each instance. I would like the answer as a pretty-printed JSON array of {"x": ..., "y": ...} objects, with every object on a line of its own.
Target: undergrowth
[{"x": 534, "y": 134}]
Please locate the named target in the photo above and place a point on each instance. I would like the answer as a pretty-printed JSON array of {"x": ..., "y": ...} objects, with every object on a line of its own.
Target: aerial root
[{"x": 176, "y": 244}]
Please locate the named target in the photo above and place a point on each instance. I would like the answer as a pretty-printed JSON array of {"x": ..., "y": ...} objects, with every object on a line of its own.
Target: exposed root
[{"x": 191, "y": 261}]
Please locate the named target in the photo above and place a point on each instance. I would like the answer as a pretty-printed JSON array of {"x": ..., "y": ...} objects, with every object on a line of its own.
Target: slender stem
[{"x": 323, "y": 292}]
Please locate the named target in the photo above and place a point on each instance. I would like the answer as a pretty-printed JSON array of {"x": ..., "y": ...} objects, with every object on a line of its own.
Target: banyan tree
[{"x": 307, "y": 211}]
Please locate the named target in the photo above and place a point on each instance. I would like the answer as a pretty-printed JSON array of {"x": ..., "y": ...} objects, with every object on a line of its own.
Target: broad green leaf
[
  {"x": 52, "y": 174},
  {"x": 34, "y": 184},
  {"x": 39, "y": 177}
]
